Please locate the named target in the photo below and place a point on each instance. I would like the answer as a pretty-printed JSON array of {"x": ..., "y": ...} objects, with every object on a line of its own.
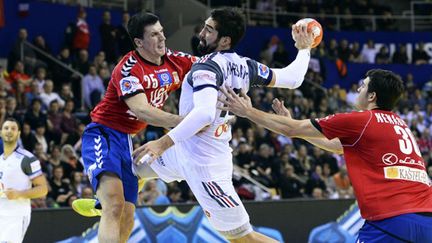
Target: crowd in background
[{"x": 53, "y": 104}]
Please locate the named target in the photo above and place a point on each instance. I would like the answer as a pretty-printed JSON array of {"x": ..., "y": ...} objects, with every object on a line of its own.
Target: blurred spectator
[
  {"x": 34, "y": 115},
  {"x": 40, "y": 136},
  {"x": 344, "y": 50},
  {"x": 60, "y": 188},
  {"x": 195, "y": 40},
  {"x": 87, "y": 192},
  {"x": 343, "y": 184},
  {"x": 49, "y": 95},
  {"x": 355, "y": 55},
  {"x": 93, "y": 88},
  {"x": 40, "y": 43},
  {"x": 174, "y": 194},
  {"x": 291, "y": 185},
  {"x": 369, "y": 52},
  {"x": 54, "y": 121},
  {"x": 40, "y": 78},
  {"x": 81, "y": 34},
  {"x": 420, "y": 56},
  {"x": 108, "y": 36},
  {"x": 17, "y": 76},
  {"x": 263, "y": 162},
  {"x": 55, "y": 160},
  {"x": 280, "y": 56},
  {"x": 315, "y": 180},
  {"x": 332, "y": 52},
  {"x": 352, "y": 94},
  {"x": 123, "y": 40},
  {"x": 383, "y": 56},
  {"x": 400, "y": 56},
  {"x": 151, "y": 195},
  {"x": 34, "y": 92},
  {"x": 387, "y": 21},
  {"x": 99, "y": 61},
  {"x": 60, "y": 74},
  {"x": 29, "y": 56},
  {"x": 77, "y": 185},
  {"x": 10, "y": 109},
  {"x": 28, "y": 139}
]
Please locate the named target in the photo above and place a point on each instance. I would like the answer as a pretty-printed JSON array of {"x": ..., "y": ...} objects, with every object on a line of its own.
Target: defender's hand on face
[
  {"x": 303, "y": 39},
  {"x": 237, "y": 104}
]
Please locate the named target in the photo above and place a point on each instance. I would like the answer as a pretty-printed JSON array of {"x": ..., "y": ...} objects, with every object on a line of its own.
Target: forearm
[
  {"x": 333, "y": 145},
  {"x": 157, "y": 117},
  {"x": 35, "y": 192},
  {"x": 276, "y": 123},
  {"x": 292, "y": 76}
]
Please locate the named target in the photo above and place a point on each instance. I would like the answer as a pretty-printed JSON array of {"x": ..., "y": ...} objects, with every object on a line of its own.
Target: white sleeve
[
  {"x": 292, "y": 76},
  {"x": 201, "y": 115}
]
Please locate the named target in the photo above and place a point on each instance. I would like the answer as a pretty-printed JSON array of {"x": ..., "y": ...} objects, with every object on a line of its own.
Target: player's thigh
[
  {"x": 13, "y": 228},
  {"x": 167, "y": 166},
  {"x": 110, "y": 191},
  {"x": 220, "y": 203}
]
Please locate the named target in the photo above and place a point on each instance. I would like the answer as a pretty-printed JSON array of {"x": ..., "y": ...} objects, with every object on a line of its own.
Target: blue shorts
[
  {"x": 403, "y": 228},
  {"x": 107, "y": 150}
]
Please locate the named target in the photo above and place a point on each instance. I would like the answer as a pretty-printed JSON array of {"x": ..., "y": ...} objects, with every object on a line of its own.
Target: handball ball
[{"x": 314, "y": 27}]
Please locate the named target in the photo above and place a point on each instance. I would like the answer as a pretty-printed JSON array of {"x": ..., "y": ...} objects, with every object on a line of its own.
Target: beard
[{"x": 205, "y": 48}]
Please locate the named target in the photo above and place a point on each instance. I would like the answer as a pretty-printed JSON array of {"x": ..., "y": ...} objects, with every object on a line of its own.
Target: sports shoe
[{"x": 86, "y": 207}]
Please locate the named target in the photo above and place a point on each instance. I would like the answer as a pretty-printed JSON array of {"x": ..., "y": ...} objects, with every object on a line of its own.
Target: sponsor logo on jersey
[
  {"x": 407, "y": 174},
  {"x": 392, "y": 159},
  {"x": 35, "y": 166},
  {"x": 129, "y": 85},
  {"x": 164, "y": 78},
  {"x": 263, "y": 70}
]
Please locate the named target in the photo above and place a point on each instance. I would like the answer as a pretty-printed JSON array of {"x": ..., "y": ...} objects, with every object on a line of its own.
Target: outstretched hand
[
  {"x": 303, "y": 39},
  {"x": 237, "y": 104},
  {"x": 280, "y": 109}
]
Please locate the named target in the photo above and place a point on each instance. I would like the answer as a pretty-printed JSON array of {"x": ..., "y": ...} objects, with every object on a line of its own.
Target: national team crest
[
  {"x": 126, "y": 85},
  {"x": 263, "y": 70},
  {"x": 129, "y": 85},
  {"x": 164, "y": 78}
]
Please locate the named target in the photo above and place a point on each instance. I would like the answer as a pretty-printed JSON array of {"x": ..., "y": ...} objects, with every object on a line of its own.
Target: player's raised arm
[{"x": 292, "y": 76}]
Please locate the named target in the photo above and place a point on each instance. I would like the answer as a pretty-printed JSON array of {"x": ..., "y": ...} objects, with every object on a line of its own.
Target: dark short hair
[
  {"x": 11, "y": 119},
  {"x": 229, "y": 22},
  {"x": 138, "y": 22},
  {"x": 388, "y": 87}
]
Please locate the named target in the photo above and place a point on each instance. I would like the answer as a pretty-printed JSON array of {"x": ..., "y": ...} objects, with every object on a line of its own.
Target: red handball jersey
[
  {"x": 383, "y": 160},
  {"x": 134, "y": 75}
]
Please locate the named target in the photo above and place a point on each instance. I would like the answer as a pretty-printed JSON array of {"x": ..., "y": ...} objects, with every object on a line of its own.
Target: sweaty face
[
  {"x": 153, "y": 42},
  {"x": 10, "y": 132},
  {"x": 208, "y": 37},
  {"x": 362, "y": 98}
]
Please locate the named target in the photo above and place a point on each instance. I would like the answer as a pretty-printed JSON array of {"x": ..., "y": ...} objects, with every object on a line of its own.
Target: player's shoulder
[
  {"x": 23, "y": 153},
  {"x": 179, "y": 56}
]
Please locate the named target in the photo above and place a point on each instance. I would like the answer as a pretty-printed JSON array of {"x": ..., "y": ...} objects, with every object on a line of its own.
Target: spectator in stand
[
  {"x": 420, "y": 56},
  {"x": 69, "y": 156},
  {"x": 11, "y": 111},
  {"x": 342, "y": 183},
  {"x": 87, "y": 192},
  {"x": 41, "y": 137},
  {"x": 77, "y": 184},
  {"x": 315, "y": 180},
  {"x": 108, "y": 36},
  {"x": 344, "y": 50},
  {"x": 355, "y": 55},
  {"x": 40, "y": 78},
  {"x": 60, "y": 74},
  {"x": 124, "y": 42},
  {"x": 69, "y": 123},
  {"x": 54, "y": 121},
  {"x": 352, "y": 95},
  {"x": 93, "y": 88},
  {"x": 81, "y": 36},
  {"x": 54, "y": 160},
  {"x": 28, "y": 139},
  {"x": 66, "y": 92},
  {"x": 34, "y": 92},
  {"x": 195, "y": 40},
  {"x": 30, "y": 61},
  {"x": 400, "y": 56},
  {"x": 383, "y": 56},
  {"x": 60, "y": 187},
  {"x": 40, "y": 43},
  {"x": 49, "y": 95},
  {"x": 34, "y": 115},
  {"x": 18, "y": 76},
  {"x": 369, "y": 52},
  {"x": 332, "y": 52},
  {"x": 280, "y": 56},
  {"x": 99, "y": 61},
  {"x": 291, "y": 185}
]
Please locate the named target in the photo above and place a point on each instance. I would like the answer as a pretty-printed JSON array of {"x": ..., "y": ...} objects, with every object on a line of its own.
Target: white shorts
[
  {"x": 13, "y": 228},
  {"x": 210, "y": 180}
]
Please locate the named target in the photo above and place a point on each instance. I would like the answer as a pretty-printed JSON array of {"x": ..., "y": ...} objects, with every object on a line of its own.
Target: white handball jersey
[
  {"x": 216, "y": 70},
  {"x": 17, "y": 172}
]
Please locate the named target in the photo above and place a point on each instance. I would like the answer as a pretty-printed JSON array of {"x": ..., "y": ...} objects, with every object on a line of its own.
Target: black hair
[
  {"x": 388, "y": 88},
  {"x": 229, "y": 22},
  {"x": 138, "y": 22},
  {"x": 11, "y": 119}
]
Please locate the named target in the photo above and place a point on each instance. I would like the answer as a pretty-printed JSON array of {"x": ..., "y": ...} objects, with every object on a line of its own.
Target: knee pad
[{"x": 238, "y": 232}]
